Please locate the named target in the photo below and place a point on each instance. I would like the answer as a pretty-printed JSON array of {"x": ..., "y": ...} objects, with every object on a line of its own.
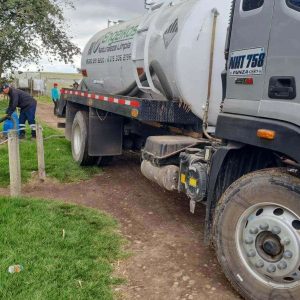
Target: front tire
[{"x": 257, "y": 235}]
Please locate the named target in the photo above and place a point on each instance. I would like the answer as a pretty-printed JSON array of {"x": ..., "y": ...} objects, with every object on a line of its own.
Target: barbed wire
[
  {"x": 5, "y": 132},
  {"x": 10, "y": 130},
  {"x": 53, "y": 136},
  {"x": 3, "y": 142}
]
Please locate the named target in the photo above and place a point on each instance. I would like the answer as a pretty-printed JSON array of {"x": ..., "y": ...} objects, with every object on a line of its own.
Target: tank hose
[
  {"x": 130, "y": 89},
  {"x": 136, "y": 89},
  {"x": 157, "y": 69}
]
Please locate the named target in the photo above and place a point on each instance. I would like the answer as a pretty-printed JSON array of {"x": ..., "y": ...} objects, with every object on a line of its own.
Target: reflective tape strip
[
  {"x": 120, "y": 101},
  {"x": 22, "y": 125}
]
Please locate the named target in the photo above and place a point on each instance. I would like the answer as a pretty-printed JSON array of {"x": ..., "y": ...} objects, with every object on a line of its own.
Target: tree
[{"x": 30, "y": 29}]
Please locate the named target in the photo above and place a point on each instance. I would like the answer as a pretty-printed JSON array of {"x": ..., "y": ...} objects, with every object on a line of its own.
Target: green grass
[
  {"x": 44, "y": 99},
  {"x": 77, "y": 265},
  {"x": 58, "y": 159}
]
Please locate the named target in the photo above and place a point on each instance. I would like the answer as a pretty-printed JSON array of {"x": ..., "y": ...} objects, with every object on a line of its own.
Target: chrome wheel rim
[{"x": 268, "y": 243}]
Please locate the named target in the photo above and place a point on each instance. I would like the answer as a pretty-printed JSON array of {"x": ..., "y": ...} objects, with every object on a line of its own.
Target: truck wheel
[
  {"x": 79, "y": 139},
  {"x": 257, "y": 235}
]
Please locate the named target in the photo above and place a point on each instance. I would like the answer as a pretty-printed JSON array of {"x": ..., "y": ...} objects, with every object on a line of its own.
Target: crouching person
[{"x": 26, "y": 103}]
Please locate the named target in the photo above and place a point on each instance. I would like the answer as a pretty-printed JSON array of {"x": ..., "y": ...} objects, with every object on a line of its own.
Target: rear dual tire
[{"x": 79, "y": 139}]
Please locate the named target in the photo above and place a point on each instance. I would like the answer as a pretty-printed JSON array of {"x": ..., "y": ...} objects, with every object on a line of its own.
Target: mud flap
[
  {"x": 105, "y": 133},
  {"x": 61, "y": 108}
]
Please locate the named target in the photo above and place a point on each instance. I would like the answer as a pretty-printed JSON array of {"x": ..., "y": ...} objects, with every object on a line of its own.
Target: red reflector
[
  {"x": 84, "y": 73},
  {"x": 245, "y": 81},
  {"x": 135, "y": 104},
  {"x": 249, "y": 81}
]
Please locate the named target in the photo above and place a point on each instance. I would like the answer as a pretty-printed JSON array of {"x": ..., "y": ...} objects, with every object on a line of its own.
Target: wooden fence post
[
  {"x": 14, "y": 164},
  {"x": 40, "y": 152}
]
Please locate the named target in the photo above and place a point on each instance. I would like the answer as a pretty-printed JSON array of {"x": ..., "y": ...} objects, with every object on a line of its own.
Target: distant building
[{"x": 41, "y": 83}]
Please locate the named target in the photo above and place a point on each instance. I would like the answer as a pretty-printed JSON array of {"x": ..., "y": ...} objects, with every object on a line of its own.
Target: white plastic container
[{"x": 175, "y": 36}]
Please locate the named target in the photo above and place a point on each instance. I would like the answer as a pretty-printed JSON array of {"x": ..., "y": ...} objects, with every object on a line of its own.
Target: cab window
[
  {"x": 295, "y": 4},
  {"x": 252, "y": 4}
]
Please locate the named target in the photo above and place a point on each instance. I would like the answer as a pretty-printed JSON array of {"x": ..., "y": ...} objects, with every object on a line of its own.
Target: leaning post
[
  {"x": 40, "y": 152},
  {"x": 14, "y": 164}
]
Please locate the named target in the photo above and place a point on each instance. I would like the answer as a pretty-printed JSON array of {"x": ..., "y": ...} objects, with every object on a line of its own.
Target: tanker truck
[{"x": 223, "y": 127}]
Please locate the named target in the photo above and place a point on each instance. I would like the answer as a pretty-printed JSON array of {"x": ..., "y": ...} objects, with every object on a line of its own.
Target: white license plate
[{"x": 247, "y": 62}]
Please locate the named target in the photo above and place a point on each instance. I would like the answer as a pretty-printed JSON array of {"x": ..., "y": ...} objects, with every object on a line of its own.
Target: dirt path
[
  {"x": 169, "y": 260},
  {"x": 45, "y": 114}
]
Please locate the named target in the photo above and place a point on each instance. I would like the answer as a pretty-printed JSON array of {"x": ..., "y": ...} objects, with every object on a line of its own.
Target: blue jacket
[{"x": 55, "y": 94}]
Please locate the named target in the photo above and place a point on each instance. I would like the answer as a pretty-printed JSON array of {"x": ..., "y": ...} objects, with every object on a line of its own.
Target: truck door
[
  {"x": 281, "y": 98},
  {"x": 250, "y": 34}
]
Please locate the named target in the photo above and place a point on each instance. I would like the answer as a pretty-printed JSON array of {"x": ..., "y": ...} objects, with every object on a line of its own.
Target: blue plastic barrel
[{"x": 9, "y": 124}]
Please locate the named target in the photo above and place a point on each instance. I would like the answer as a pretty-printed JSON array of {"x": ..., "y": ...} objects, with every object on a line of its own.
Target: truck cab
[{"x": 263, "y": 75}]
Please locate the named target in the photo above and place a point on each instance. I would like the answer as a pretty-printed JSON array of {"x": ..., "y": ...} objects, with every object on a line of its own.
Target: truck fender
[{"x": 216, "y": 165}]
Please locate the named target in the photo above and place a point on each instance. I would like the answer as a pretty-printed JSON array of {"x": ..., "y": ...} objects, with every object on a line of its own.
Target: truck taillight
[{"x": 84, "y": 73}]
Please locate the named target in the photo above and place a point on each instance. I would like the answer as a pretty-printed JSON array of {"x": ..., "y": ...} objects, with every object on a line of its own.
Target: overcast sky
[{"x": 89, "y": 17}]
